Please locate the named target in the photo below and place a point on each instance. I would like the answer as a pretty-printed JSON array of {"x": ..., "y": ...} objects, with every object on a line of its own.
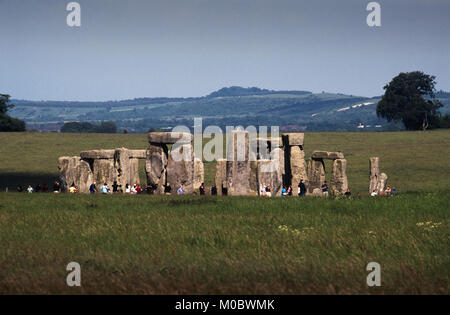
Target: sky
[{"x": 184, "y": 48}]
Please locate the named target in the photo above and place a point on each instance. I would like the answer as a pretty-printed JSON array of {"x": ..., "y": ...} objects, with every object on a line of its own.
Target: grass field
[
  {"x": 230, "y": 245},
  {"x": 191, "y": 245}
]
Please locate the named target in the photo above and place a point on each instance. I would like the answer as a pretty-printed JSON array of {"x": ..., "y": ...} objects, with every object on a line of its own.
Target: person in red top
[{"x": 138, "y": 189}]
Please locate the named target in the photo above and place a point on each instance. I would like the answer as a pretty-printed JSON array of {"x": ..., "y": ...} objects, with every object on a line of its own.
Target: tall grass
[{"x": 232, "y": 245}]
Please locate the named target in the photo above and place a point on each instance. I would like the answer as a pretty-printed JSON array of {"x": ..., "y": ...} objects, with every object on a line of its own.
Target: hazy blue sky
[{"x": 138, "y": 48}]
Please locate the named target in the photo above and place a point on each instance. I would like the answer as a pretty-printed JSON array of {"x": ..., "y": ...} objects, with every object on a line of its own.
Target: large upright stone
[
  {"x": 180, "y": 168},
  {"x": 378, "y": 181},
  {"x": 155, "y": 166},
  {"x": 199, "y": 174},
  {"x": 221, "y": 176},
  {"x": 316, "y": 174},
  {"x": 104, "y": 172},
  {"x": 339, "y": 182},
  {"x": 374, "y": 173},
  {"x": 169, "y": 137},
  {"x": 122, "y": 166},
  {"x": 75, "y": 171},
  {"x": 271, "y": 172},
  {"x": 297, "y": 166},
  {"x": 134, "y": 171},
  {"x": 238, "y": 164}
]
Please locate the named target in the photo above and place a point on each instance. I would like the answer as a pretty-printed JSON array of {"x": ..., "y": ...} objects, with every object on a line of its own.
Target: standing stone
[
  {"x": 271, "y": 172},
  {"x": 134, "y": 171},
  {"x": 155, "y": 166},
  {"x": 180, "y": 168},
  {"x": 316, "y": 174},
  {"x": 122, "y": 166},
  {"x": 238, "y": 164},
  {"x": 254, "y": 177},
  {"x": 339, "y": 182},
  {"x": 104, "y": 172},
  {"x": 199, "y": 174},
  {"x": 374, "y": 173},
  {"x": 73, "y": 170},
  {"x": 221, "y": 176},
  {"x": 297, "y": 166},
  {"x": 382, "y": 183}
]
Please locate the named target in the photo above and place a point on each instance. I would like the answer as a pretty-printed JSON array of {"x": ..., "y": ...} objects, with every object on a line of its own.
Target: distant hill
[{"x": 291, "y": 110}]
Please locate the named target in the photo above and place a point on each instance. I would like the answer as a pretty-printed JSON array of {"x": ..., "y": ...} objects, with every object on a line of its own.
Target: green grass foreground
[{"x": 229, "y": 245}]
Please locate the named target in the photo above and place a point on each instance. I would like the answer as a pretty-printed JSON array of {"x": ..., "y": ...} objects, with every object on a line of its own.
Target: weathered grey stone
[
  {"x": 378, "y": 181},
  {"x": 374, "y": 173},
  {"x": 134, "y": 172},
  {"x": 263, "y": 146},
  {"x": 169, "y": 137},
  {"x": 199, "y": 174},
  {"x": 97, "y": 154},
  {"x": 104, "y": 172},
  {"x": 180, "y": 168},
  {"x": 293, "y": 139},
  {"x": 316, "y": 174},
  {"x": 298, "y": 166},
  {"x": 327, "y": 155},
  {"x": 221, "y": 175},
  {"x": 339, "y": 182},
  {"x": 271, "y": 172},
  {"x": 317, "y": 192},
  {"x": 155, "y": 166},
  {"x": 75, "y": 171},
  {"x": 254, "y": 177},
  {"x": 137, "y": 154},
  {"x": 382, "y": 183},
  {"x": 238, "y": 164},
  {"x": 122, "y": 166}
]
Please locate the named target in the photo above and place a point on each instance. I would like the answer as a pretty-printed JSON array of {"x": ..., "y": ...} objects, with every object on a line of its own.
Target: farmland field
[{"x": 229, "y": 245}]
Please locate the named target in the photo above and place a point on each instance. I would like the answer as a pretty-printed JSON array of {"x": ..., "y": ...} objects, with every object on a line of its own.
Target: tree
[
  {"x": 86, "y": 127},
  {"x": 8, "y": 123},
  {"x": 410, "y": 98}
]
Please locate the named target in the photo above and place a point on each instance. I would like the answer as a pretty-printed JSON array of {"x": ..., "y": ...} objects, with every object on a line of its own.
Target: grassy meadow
[{"x": 229, "y": 245}]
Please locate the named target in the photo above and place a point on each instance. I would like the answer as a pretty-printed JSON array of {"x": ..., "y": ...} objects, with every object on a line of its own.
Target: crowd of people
[
  {"x": 387, "y": 192},
  {"x": 39, "y": 188},
  {"x": 135, "y": 189}
]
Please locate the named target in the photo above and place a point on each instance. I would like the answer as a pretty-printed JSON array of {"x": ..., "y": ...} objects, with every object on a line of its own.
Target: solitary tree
[
  {"x": 410, "y": 97},
  {"x": 8, "y": 123}
]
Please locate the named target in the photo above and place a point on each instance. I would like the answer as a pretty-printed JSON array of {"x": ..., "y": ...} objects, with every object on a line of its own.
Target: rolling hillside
[{"x": 291, "y": 110}]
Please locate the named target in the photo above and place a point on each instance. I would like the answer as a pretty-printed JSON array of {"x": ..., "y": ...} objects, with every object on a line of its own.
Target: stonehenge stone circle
[{"x": 250, "y": 164}]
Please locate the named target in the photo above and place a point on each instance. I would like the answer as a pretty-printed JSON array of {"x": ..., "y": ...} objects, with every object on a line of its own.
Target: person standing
[
  {"x": 301, "y": 188},
  {"x": 324, "y": 188},
  {"x": 104, "y": 189},
  {"x": 93, "y": 188},
  {"x": 30, "y": 189},
  {"x": 167, "y": 189},
  {"x": 115, "y": 187},
  {"x": 202, "y": 189}
]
